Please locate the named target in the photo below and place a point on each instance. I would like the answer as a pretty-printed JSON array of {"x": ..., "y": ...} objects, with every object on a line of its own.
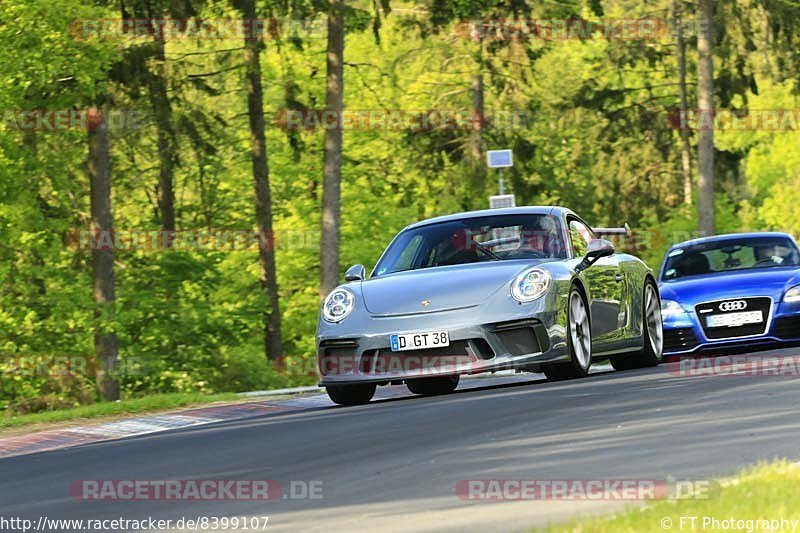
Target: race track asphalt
[{"x": 393, "y": 465}]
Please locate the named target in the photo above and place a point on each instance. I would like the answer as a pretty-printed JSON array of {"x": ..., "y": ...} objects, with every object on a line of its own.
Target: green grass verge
[
  {"x": 155, "y": 402},
  {"x": 765, "y": 492}
]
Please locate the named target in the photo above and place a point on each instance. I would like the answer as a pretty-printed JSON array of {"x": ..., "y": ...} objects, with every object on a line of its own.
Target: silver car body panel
[{"x": 470, "y": 301}]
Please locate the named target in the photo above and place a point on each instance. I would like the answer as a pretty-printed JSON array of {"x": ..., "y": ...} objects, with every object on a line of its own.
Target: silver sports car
[{"x": 526, "y": 288}]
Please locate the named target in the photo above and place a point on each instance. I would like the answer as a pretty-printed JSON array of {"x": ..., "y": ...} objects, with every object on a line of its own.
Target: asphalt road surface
[{"x": 393, "y": 465}]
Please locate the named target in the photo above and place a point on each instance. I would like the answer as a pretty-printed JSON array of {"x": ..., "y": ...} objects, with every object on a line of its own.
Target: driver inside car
[{"x": 771, "y": 253}]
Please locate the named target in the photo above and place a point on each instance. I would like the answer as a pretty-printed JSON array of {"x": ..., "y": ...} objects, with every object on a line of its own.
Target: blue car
[{"x": 730, "y": 290}]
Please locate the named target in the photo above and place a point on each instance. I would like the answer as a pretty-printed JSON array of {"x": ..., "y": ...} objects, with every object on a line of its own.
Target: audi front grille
[{"x": 734, "y": 306}]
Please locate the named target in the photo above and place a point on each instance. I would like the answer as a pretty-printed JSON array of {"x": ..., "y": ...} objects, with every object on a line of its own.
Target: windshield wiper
[{"x": 487, "y": 251}]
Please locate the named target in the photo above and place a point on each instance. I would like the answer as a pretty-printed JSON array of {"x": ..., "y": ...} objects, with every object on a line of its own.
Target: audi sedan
[
  {"x": 527, "y": 288},
  {"x": 730, "y": 290}
]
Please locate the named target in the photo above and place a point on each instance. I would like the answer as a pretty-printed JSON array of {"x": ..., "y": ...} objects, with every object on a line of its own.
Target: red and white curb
[{"x": 144, "y": 425}]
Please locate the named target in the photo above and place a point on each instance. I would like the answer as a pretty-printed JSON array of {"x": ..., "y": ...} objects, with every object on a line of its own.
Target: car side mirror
[
  {"x": 597, "y": 249},
  {"x": 355, "y": 273}
]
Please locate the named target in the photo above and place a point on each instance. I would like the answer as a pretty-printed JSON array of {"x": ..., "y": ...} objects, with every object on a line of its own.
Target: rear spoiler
[{"x": 604, "y": 232}]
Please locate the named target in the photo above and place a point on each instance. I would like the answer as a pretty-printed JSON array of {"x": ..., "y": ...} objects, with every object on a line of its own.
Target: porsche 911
[{"x": 526, "y": 288}]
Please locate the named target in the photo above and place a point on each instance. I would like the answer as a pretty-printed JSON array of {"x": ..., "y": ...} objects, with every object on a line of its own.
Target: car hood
[
  {"x": 445, "y": 288},
  {"x": 771, "y": 282}
]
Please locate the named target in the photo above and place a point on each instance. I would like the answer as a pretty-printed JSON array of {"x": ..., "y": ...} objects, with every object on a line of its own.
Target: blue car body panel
[{"x": 684, "y": 333}]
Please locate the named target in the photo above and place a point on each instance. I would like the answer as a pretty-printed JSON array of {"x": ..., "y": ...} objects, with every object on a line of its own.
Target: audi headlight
[
  {"x": 671, "y": 307},
  {"x": 792, "y": 295},
  {"x": 338, "y": 305},
  {"x": 530, "y": 285}
]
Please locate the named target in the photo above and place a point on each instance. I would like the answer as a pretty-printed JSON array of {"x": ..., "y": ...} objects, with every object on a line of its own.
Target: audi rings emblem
[{"x": 733, "y": 305}]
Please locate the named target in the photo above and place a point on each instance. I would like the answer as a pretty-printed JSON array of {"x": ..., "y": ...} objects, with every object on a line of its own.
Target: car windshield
[
  {"x": 473, "y": 240},
  {"x": 727, "y": 255}
]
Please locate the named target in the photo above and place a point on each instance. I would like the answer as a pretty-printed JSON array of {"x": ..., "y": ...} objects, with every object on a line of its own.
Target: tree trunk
[
  {"x": 476, "y": 139},
  {"x": 478, "y": 112},
  {"x": 686, "y": 158},
  {"x": 705, "y": 104},
  {"x": 105, "y": 340},
  {"x": 166, "y": 143},
  {"x": 258, "y": 154},
  {"x": 332, "y": 172},
  {"x": 156, "y": 82},
  {"x": 32, "y": 157},
  {"x": 476, "y": 146}
]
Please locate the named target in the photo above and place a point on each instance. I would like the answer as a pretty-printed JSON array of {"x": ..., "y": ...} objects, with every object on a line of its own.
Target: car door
[{"x": 606, "y": 284}]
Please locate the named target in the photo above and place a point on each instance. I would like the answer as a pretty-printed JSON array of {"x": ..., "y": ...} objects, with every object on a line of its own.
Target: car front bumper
[
  {"x": 521, "y": 336},
  {"x": 683, "y": 333}
]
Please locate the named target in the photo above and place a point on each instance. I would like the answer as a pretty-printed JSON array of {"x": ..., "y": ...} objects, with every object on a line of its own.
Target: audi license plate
[
  {"x": 732, "y": 320},
  {"x": 419, "y": 341}
]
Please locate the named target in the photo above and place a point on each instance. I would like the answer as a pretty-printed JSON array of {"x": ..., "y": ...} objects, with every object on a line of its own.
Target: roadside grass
[
  {"x": 764, "y": 492},
  {"x": 155, "y": 402}
]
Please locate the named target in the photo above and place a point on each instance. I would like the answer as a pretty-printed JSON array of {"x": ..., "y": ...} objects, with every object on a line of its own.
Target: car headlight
[
  {"x": 338, "y": 305},
  {"x": 530, "y": 285},
  {"x": 792, "y": 295},
  {"x": 671, "y": 307}
]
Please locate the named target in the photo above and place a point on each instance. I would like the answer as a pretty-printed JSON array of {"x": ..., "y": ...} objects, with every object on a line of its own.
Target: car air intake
[
  {"x": 679, "y": 340},
  {"x": 337, "y": 356},
  {"x": 788, "y": 327},
  {"x": 522, "y": 337}
]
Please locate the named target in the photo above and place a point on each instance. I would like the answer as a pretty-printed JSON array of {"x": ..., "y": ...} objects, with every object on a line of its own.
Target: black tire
[
  {"x": 651, "y": 353},
  {"x": 433, "y": 386},
  {"x": 580, "y": 359},
  {"x": 351, "y": 394}
]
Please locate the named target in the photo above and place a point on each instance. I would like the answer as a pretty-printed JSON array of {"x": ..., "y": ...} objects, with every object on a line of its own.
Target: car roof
[
  {"x": 730, "y": 237},
  {"x": 523, "y": 210}
]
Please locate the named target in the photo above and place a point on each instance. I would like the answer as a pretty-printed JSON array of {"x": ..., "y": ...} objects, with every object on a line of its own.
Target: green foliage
[
  {"x": 587, "y": 119},
  {"x": 756, "y": 494},
  {"x": 657, "y": 235}
]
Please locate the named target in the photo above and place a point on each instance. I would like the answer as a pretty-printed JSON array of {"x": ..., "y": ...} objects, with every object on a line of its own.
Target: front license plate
[
  {"x": 732, "y": 320},
  {"x": 419, "y": 341}
]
